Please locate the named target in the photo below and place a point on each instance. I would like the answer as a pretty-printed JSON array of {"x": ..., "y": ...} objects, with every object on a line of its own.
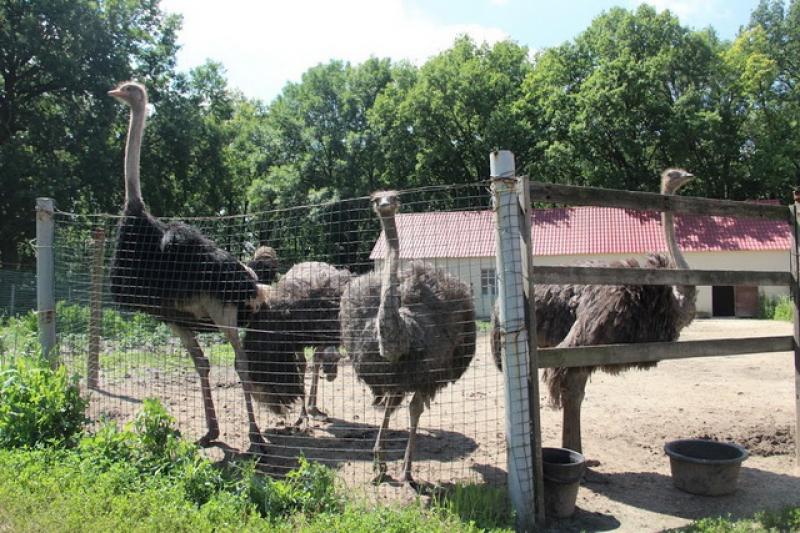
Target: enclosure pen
[
  {"x": 125, "y": 356},
  {"x": 461, "y": 434}
]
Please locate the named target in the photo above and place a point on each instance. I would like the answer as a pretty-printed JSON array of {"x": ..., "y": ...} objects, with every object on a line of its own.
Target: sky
[{"x": 265, "y": 44}]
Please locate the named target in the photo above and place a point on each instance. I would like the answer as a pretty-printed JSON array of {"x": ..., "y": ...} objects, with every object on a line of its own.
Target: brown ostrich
[
  {"x": 407, "y": 332},
  {"x": 587, "y": 315},
  {"x": 173, "y": 272},
  {"x": 302, "y": 311}
]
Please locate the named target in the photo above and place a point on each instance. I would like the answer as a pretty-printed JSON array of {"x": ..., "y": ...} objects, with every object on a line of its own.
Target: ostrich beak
[
  {"x": 116, "y": 93},
  {"x": 685, "y": 178}
]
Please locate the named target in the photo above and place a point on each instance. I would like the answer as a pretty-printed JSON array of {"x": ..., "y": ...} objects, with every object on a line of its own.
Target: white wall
[{"x": 469, "y": 270}]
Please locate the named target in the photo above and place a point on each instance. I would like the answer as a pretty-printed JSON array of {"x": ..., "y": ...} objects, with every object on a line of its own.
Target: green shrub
[
  {"x": 309, "y": 489},
  {"x": 784, "y": 310},
  {"x": 781, "y": 308},
  {"x": 19, "y": 335},
  {"x": 38, "y": 405}
]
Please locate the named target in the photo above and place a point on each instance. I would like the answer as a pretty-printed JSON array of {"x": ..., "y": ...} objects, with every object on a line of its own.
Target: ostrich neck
[
  {"x": 133, "y": 149},
  {"x": 675, "y": 253},
  {"x": 684, "y": 294},
  {"x": 392, "y": 338}
]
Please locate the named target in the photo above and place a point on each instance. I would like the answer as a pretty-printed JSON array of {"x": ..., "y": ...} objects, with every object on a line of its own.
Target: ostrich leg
[
  {"x": 313, "y": 410},
  {"x": 225, "y": 319},
  {"x": 415, "y": 409},
  {"x": 572, "y": 392},
  {"x": 392, "y": 401},
  {"x": 203, "y": 367}
]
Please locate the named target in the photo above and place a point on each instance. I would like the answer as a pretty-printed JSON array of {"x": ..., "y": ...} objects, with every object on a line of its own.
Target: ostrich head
[
  {"x": 673, "y": 179},
  {"x": 385, "y": 203},
  {"x": 266, "y": 253},
  {"x": 132, "y": 94}
]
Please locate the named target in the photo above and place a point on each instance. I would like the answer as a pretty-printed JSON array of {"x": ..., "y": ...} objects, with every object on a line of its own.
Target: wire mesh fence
[{"x": 433, "y": 325}]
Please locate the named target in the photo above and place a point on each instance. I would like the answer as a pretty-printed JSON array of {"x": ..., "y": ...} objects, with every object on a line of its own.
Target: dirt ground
[{"x": 626, "y": 421}]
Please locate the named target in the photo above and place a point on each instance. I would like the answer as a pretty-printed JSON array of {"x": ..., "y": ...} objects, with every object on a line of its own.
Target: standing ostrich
[
  {"x": 409, "y": 332},
  {"x": 302, "y": 311},
  {"x": 173, "y": 272},
  {"x": 587, "y": 315}
]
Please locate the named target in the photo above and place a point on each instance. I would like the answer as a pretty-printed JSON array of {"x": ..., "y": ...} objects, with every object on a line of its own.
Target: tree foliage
[{"x": 633, "y": 93}]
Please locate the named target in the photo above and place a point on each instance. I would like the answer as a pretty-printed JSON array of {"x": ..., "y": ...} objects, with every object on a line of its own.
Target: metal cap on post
[
  {"x": 45, "y": 277},
  {"x": 514, "y": 338}
]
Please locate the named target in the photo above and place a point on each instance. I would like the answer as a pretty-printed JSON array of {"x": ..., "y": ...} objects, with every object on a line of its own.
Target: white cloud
[{"x": 265, "y": 44}]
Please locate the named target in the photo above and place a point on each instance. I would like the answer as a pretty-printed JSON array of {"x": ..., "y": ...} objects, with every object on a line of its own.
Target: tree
[
  {"x": 57, "y": 60},
  {"x": 458, "y": 108}
]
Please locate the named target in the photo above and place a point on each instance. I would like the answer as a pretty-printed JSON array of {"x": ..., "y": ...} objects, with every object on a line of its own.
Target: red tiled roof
[{"x": 581, "y": 231}]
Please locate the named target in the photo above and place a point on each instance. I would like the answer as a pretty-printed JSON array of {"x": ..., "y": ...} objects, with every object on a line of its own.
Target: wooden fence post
[
  {"x": 523, "y": 194},
  {"x": 514, "y": 338},
  {"x": 45, "y": 277},
  {"x": 96, "y": 309},
  {"x": 795, "y": 265}
]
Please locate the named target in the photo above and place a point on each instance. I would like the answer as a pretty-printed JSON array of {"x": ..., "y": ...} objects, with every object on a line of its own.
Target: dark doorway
[{"x": 723, "y": 300}]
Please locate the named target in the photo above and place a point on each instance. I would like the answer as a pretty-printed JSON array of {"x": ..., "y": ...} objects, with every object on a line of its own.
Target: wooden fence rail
[
  {"x": 591, "y": 275},
  {"x": 643, "y": 352},
  {"x": 575, "y": 195}
]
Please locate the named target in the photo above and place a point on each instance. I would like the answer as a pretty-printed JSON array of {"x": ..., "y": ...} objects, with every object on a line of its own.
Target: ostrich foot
[
  {"x": 316, "y": 414},
  {"x": 257, "y": 444},
  {"x": 206, "y": 440},
  {"x": 409, "y": 482},
  {"x": 381, "y": 475}
]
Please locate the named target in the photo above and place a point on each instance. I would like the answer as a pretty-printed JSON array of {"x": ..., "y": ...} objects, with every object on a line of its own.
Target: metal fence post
[
  {"x": 45, "y": 277},
  {"x": 514, "y": 338},
  {"x": 13, "y": 303},
  {"x": 96, "y": 309}
]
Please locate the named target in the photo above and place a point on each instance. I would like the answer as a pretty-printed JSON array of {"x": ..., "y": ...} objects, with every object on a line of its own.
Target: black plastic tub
[
  {"x": 563, "y": 470},
  {"x": 705, "y": 467}
]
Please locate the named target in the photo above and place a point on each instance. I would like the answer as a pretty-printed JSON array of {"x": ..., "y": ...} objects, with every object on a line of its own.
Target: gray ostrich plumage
[
  {"x": 302, "y": 310},
  {"x": 173, "y": 272},
  {"x": 586, "y": 315},
  {"x": 409, "y": 331}
]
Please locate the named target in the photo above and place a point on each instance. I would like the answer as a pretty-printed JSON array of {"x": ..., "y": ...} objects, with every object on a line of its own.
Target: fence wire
[{"x": 133, "y": 354}]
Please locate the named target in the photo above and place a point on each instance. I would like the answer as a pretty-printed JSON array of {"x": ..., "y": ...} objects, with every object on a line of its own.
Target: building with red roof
[{"x": 463, "y": 242}]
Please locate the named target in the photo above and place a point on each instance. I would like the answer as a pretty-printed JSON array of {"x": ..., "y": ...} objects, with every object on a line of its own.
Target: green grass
[
  {"x": 69, "y": 490},
  {"x": 768, "y": 521},
  {"x": 483, "y": 325}
]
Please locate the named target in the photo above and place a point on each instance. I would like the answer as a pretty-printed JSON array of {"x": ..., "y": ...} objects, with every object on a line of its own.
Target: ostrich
[
  {"x": 264, "y": 264},
  {"x": 173, "y": 272},
  {"x": 302, "y": 310},
  {"x": 407, "y": 332},
  {"x": 586, "y": 315}
]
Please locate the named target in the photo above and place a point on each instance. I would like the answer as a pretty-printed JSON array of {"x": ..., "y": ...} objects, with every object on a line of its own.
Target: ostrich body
[
  {"x": 587, "y": 315},
  {"x": 407, "y": 332},
  {"x": 302, "y": 310},
  {"x": 174, "y": 273}
]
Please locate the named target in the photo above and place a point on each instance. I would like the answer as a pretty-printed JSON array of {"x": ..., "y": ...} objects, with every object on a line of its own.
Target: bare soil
[{"x": 627, "y": 419}]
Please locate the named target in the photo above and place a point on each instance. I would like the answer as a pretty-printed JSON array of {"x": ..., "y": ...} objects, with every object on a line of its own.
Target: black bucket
[
  {"x": 705, "y": 467},
  {"x": 563, "y": 470}
]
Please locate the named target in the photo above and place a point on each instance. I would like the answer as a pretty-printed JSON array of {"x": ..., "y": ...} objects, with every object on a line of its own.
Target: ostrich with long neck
[
  {"x": 409, "y": 331},
  {"x": 587, "y": 315},
  {"x": 173, "y": 272}
]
